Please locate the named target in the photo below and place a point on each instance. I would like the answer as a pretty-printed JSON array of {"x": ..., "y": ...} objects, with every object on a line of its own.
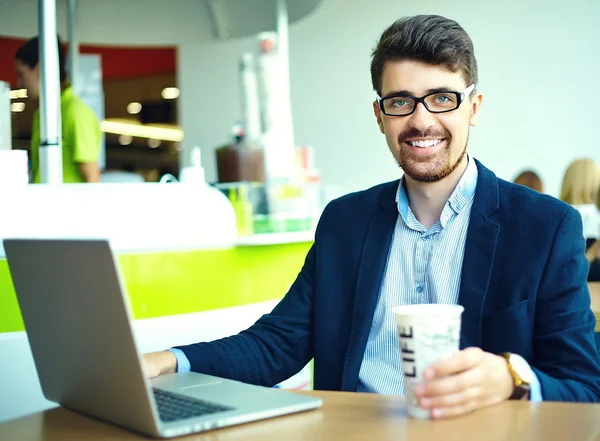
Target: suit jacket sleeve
[
  {"x": 565, "y": 357},
  {"x": 276, "y": 347}
]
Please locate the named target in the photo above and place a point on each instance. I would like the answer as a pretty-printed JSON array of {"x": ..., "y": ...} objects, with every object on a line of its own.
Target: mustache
[{"x": 428, "y": 133}]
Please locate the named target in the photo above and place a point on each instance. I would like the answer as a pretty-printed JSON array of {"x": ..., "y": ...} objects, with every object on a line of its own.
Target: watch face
[{"x": 522, "y": 368}]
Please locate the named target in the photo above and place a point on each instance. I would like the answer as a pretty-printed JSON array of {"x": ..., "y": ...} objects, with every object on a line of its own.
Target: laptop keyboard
[{"x": 175, "y": 407}]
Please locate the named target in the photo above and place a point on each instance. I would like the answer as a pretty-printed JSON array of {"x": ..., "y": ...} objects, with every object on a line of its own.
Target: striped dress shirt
[{"x": 423, "y": 267}]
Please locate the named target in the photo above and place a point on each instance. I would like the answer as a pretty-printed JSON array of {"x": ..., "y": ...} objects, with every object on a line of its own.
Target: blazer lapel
[
  {"x": 370, "y": 275},
  {"x": 480, "y": 247}
]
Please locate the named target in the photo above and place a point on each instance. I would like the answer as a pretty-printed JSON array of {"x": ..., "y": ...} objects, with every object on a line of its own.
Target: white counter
[{"x": 134, "y": 217}]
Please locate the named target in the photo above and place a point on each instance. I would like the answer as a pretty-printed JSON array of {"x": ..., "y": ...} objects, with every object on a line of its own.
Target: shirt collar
[{"x": 461, "y": 195}]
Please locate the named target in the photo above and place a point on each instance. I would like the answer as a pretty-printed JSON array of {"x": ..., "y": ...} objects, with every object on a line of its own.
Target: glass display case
[{"x": 274, "y": 208}]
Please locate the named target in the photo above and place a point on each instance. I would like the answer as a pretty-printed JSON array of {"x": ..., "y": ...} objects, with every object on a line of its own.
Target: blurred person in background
[
  {"x": 81, "y": 135},
  {"x": 530, "y": 179},
  {"x": 580, "y": 190},
  {"x": 593, "y": 252}
]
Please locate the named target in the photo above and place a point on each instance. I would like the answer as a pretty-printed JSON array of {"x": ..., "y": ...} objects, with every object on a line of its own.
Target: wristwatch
[{"x": 521, "y": 374}]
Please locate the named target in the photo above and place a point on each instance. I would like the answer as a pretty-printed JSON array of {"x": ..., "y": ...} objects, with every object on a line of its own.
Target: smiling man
[{"x": 449, "y": 231}]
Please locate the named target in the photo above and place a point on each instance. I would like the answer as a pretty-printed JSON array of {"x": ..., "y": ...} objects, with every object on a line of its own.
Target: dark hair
[
  {"x": 29, "y": 55},
  {"x": 429, "y": 38},
  {"x": 530, "y": 179}
]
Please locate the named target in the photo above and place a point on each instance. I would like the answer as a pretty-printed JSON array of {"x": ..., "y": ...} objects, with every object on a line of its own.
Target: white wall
[{"x": 538, "y": 61}]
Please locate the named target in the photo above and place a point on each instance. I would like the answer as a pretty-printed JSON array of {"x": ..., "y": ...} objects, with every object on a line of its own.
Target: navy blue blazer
[{"x": 523, "y": 288}]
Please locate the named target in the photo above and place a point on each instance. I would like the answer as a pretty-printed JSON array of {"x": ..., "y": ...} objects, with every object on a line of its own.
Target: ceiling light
[
  {"x": 125, "y": 139},
  {"x": 174, "y": 148},
  {"x": 17, "y": 93},
  {"x": 153, "y": 143},
  {"x": 142, "y": 131},
  {"x": 170, "y": 93},
  {"x": 17, "y": 107},
  {"x": 134, "y": 108}
]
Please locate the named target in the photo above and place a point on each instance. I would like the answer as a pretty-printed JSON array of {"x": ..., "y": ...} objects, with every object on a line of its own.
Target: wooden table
[
  {"x": 595, "y": 294},
  {"x": 346, "y": 417}
]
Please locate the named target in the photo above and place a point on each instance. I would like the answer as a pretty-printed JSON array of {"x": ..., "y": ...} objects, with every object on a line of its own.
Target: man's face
[
  {"x": 428, "y": 146},
  {"x": 28, "y": 79}
]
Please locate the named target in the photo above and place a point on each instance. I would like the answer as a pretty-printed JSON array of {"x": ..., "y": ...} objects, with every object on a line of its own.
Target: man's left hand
[{"x": 468, "y": 380}]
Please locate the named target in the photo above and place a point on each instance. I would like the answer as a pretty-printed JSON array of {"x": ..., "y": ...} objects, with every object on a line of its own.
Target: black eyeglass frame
[{"x": 460, "y": 97}]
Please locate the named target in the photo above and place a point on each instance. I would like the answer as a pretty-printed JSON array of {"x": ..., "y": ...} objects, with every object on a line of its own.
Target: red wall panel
[{"x": 117, "y": 62}]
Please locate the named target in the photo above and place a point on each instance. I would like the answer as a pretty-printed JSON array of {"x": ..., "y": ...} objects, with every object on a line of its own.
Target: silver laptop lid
[{"x": 78, "y": 325}]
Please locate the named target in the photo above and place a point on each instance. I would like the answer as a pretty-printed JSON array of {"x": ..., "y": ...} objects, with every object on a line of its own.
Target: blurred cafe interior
[
  {"x": 226, "y": 128},
  {"x": 209, "y": 233}
]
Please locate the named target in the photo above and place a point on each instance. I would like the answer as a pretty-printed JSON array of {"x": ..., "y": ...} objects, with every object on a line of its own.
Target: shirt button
[
  {"x": 419, "y": 289},
  {"x": 425, "y": 238}
]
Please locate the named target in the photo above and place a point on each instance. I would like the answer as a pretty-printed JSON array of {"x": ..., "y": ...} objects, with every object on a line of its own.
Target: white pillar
[
  {"x": 50, "y": 117},
  {"x": 284, "y": 60},
  {"x": 283, "y": 43},
  {"x": 5, "y": 117},
  {"x": 278, "y": 135},
  {"x": 73, "y": 47}
]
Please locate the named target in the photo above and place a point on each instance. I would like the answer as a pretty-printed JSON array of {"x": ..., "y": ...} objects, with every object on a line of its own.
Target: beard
[{"x": 430, "y": 168}]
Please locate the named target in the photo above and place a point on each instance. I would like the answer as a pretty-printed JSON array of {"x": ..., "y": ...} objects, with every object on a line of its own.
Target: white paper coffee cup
[{"x": 427, "y": 333}]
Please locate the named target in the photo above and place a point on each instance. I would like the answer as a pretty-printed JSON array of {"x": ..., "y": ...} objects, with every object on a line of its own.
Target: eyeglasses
[{"x": 436, "y": 102}]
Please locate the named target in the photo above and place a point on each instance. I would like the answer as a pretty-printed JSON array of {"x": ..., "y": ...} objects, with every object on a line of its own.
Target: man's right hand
[{"x": 159, "y": 363}]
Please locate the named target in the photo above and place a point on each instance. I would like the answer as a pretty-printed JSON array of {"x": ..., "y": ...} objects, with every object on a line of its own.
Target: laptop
[{"x": 78, "y": 322}]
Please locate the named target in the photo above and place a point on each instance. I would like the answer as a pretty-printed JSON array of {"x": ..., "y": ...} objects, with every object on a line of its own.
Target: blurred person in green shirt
[{"x": 81, "y": 135}]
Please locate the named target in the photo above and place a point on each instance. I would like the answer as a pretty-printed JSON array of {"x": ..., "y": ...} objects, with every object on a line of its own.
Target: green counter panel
[{"x": 169, "y": 283}]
